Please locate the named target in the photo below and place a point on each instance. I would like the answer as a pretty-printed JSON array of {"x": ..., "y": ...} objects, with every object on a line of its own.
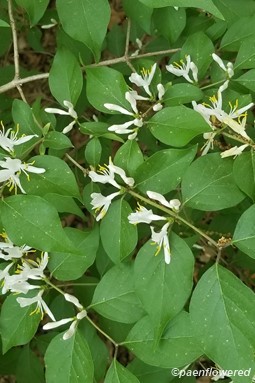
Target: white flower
[
  {"x": 48, "y": 26},
  {"x": 70, "y": 332},
  {"x": 17, "y": 284},
  {"x": 12, "y": 170},
  {"x": 108, "y": 174},
  {"x": 160, "y": 239},
  {"x": 145, "y": 79},
  {"x": 210, "y": 112},
  {"x": 235, "y": 151},
  {"x": 143, "y": 215},
  {"x": 131, "y": 97},
  {"x": 9, "y": 139},
  {"x": 176, "y": 8},
  {"x": 71, "y": 112},
  {"x": 41, "y": 306},
  {"x": 228, "y": 69},
  {"x": 173, "y": 204},
  {"x": 101, "y": 203},
  {"x": 184, "y": 69},
  {"x": 161, "y": 92},
  {"x": 209, "y": 143},
  {"x": 9, "y": 251},
  {"x": 5, "y": 273},
  {"x": 34, "y": 270}
]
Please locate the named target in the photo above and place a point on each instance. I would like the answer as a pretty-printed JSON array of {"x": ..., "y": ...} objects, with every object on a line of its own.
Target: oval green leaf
[
  {"x": 209, "y": 184},
  {"x": 177, "y": 125}
]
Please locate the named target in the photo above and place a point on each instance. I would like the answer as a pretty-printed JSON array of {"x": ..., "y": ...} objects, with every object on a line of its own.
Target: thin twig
[
  {"x": 123, "y": 58},
  {"x": 15, "y": 51},
  {"x": 127, "y": 46},
  {"x": 14, "y": 83},
  {"x": 77, "y": 164}
]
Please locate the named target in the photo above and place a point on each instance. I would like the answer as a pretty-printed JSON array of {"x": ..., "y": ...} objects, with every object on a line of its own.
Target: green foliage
[
  {"x": 85, "y": 21},
  {"x": 127, "y": 185},
  {"x": 73, "y": 361}
]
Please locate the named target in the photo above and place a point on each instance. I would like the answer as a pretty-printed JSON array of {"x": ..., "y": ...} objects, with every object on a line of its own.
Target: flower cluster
[
  {"x": 213, "y": 114},
  {"x": 143, "y": 215},
  {"x": 183, "y": 70},
  {"x": 106, "y": 174},
  {"x": 144, "y": 81},
  {"x": 13, "y": 167},
  {"x": 19, "y": 276}
]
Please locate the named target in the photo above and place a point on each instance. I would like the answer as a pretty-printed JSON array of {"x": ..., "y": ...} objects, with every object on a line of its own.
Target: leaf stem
[{"x": 102, "y": 332}]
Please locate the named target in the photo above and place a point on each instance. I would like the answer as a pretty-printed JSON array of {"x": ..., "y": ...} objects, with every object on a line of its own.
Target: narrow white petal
[
  {"x": 73, "y": 299},
  {"x": 70, "y": 332},
  {"x": 82, "y": 315},
  {"x": 129, "y": 97},
  {"x": 219, "y": 61},
  {"x": 194, "y": 70},
  {"x": 117, "y": 108},
  {"x": 69, "y": 127},
  {"x": 51, "y": 325},
  {"x": 158, "y": 197},
  {"x": 56, "y": 111}
]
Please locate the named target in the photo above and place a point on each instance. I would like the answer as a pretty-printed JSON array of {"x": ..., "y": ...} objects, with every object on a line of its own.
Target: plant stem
[
  {"x": 102, "y": 332},
  {"x": 15, "y": 51},
  {"x": 84, "y": 171}
]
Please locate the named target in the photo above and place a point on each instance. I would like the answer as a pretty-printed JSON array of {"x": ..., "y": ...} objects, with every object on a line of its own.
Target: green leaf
[
  {"x": 57, "y": 140},
  {"x": 85, "y": 21},
  {"x": 121, "y": 304},
  {"x": 149, "y": 374},
  {"x": 58, "y": 178},
  {"x": 4, "y": 24},
  {"x": 93, "y": 151},
  {"x": 65, "y": 78},
  {"x": 244, "y": 235},
  {"x": 248, "y": 80},
  {"x": 242, "y": 29},
  {"x": 209, "y": 184},
  {"x": 69, "y": 361},
  {"x": 177, "y": 347},
  {"x": 29, "y": 368},
  {"x": 139, "y": 13},
  {"x": 177, "y": 125},
  {"x": 69, "y": 266},
  {"x": 118, "y": 373},
  {"x": 222, "y": 310},
  {"x": 246, "y": 55},
  {"x": 22, "y": 115},
  {"x": 17, "y": 326},
  {"x": 182, "y": 94},
  {"x": 110, "y": 88},
  {"x": 207, "y": 5},
  {"x": 119, "y": 238},
  {"x": 232, "y": 10},
  {"x": 98, "y": 349},
  {"x": 169, "y": 22},
  {"x": 64, "y": 204},
  {"x": 129, "y": 156},
  {"x": 31, "y": 220},
  {"x": 161, "y": 293},
  {"x": 201, "y": 57},
  {"x": 163, "y": 171},
  {"x": 34, "y": 8},
  {"x": 245, "y": 164}
]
